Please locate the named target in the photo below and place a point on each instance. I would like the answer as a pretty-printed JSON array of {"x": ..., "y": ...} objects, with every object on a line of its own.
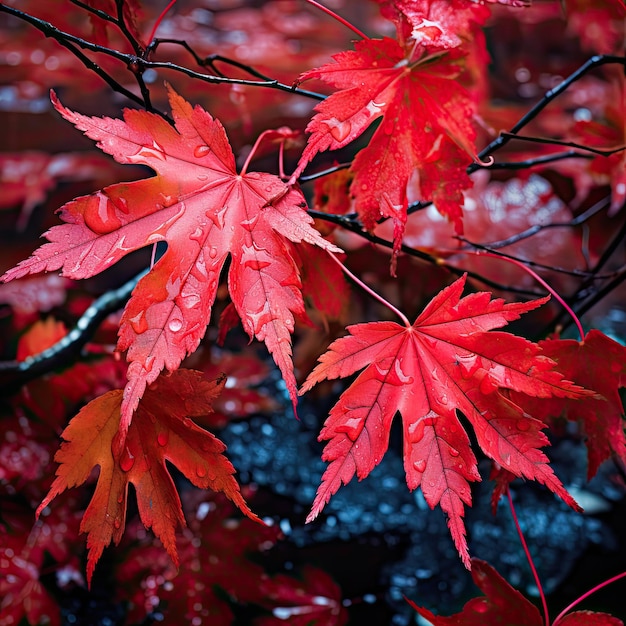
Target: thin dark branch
[
  {"x": 542, "y": 160},
  {"x": 52, "y": 31},
  {"x": 542, "y": 266},
  {"x": 355, "y": 227},
  {"x": 569, "y": 144},
  {"x": 68, "y": 349},
  {"x": 533, "y": 230},
  {"x": 326, "y": 172},
  {"x": 97, "y": 12},
  {"x": 105, "y": 76},
  {"x": 138, "y": 64},
  {"x": 121, "y": 24},
  {"x": 593, "y": 62}
]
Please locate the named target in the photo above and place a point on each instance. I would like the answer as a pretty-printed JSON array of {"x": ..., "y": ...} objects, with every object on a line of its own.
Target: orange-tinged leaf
[
  {"x": 204, "y": 210},
  {"x": 41, "y": 336},
  {"x": 446, "y": 362},
  {"x": 161, "y": 430}
]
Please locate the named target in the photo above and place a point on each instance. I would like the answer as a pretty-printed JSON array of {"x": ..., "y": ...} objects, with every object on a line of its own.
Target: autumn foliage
[{"x": 414, "y": 185}]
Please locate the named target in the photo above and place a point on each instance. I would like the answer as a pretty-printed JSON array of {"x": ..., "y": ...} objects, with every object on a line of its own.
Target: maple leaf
[
  {"x": 27, "y": 177},
  {"x": 325, "y": 284},
  {"x": 501, "y": 604},
  {"x": 598, "y": 363},
  {"x": 313, "y": 601},
  {"x": 588, "y": 618},
  {"x": 444, "y": 363},
  {"x": 426, "y": 119},
  {"x": 129, "y": 10},
  {"x": 26, "y": 553},
  {"x": 435, "y": 23},
  {"x": 205, "y": 211},
  {"x": 161, "y": 430}
]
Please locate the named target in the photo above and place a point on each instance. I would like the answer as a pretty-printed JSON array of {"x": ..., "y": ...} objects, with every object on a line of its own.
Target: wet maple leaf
[
  {"x": 426, "y": 119},
  {"x": 313, "y": 601},
  {"x": 26, "y": 553},
  {"x": 598, "y": 363},
  {"x": 588, "y": 618},
  {"x": 204, "y": 210},
  {"x": 42, "y": 335},
  {"x": 435, "y": 23},
  {"x": 198, "y": 594},
  {"x": 161, "y": 430},
  {"x": 501, "y": 604},
  {"x": 130, "y": 9},
  {"x": 444, "y": 363}
]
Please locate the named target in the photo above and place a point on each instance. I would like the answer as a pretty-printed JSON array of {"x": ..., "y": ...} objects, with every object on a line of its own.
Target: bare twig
[{"x": 68, "y": 349}]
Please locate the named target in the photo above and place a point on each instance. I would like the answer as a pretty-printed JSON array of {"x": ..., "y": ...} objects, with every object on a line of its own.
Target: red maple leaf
[
  {"x": 205, "y": 211},
  {"x": 502, "y": 604},
  {"x": 215, "y": 564},
  {"x": 426, "y": 119},
  {"x": 435, "y": 23},
  {"x": 313, "y": 601},
  {"x": 598, "y": 363},
  {"x": 444, "y": 363},
  {"x": 161, "y": 430},
  {"x": 26, "y": 555}
]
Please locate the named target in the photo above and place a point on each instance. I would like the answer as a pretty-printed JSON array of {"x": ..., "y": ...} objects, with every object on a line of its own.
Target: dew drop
[
  {"x": 523, "y": 425},
  {"x": 139, "y": 323},
  {"x": 213, "y": 252},
  {"x": 341, "y": 130},
  {"x": 197, "y": 235},
  {"x": 201, "y": 151},
  {"x": 162, "y": 438},
  {"x": 480, "y": 606},
  {"x": 454, "y": 452},
  {"x": 251, "y": 223},
  {"x": 352, "y": 428},
  {"x": 175, "y": 325},
  {"x": 420, "y": 465},
  {"x": 191, "y": 301},
  {"x": 201, "y": 471},
  {"x": 256, "y": 265},
  {"x": 127, "y": 460},
  {"x": 117, "y": 523}
]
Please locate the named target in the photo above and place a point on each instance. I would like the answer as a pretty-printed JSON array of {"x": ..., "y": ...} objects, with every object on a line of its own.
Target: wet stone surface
[{"x": 281, "y": 454}]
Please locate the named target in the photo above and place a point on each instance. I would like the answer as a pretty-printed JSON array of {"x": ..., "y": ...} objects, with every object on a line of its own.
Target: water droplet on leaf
[
  {"x": 162, "y": 438},
  {"x": 139, "y": 323},
  {"x": 175, "y": 324},
  {"x": 341, "y": 130},
  {"x": 352, "y": 428},
  {"x": 420, "y": 465},
  {"x": 201, "y": 151},
  {"x": 127, "y": 460}
]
